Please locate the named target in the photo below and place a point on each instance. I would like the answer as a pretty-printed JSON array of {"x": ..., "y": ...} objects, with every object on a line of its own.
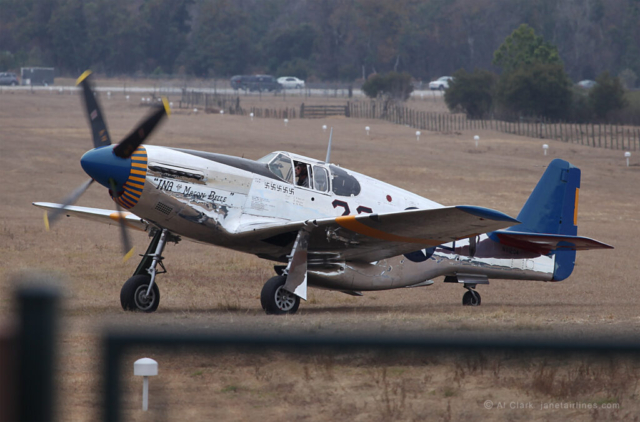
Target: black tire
[
  {"x": 471, "y": 298},
  {"x": 441, "y": 88},
  {"x": 132, "y": 295},
  {"x": 277, "y": 301},
  {"x": 14, "y": 83}
]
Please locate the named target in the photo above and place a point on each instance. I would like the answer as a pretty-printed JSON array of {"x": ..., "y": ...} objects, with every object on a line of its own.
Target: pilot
[{"x": 302, "y": 178}]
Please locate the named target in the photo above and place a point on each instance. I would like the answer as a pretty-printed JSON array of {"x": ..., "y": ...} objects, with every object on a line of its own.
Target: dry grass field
[{"x": 43, "y": 136}]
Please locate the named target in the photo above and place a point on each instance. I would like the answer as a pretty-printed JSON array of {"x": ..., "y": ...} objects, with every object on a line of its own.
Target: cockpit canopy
[
  {"x": 343, "y": 183},
  {"x": 282, "y": 166}
]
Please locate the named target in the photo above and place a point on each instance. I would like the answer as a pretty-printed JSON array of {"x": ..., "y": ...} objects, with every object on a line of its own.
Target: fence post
[
  {"x": 36, "y": 345},
  {"x": 599, "y": 136},
  {"x": 302, "y": 111}
]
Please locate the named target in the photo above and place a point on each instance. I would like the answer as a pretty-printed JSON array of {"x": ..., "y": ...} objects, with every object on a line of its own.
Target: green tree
[
  {"x": 290, "y": 45},
  {"x": 114, "y": 34},
  {"x": 536, "y": 90},
  {"x": 472, "y": 92},
  {"x": 393, "y": 85},
  {"x": 221, "y": 44},
  {"x": 68, "y": 32},
  {"x": 524, "y": 48},
  {"x": 164, "y": 27},
  {"x": 607, "y": 95}
]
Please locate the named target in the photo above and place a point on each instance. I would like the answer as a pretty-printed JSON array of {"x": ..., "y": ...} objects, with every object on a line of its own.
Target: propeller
[
  {"x": 124, "y": 150},
  {"x": 126, "y": 244},
  {"x": 129, "y": 144},
  {"x": 69, "y": 200},
  {"x": 99, "y": 130}
]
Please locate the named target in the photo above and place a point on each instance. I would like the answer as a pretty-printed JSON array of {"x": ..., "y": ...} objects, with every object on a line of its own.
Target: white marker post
[
  {"x": 324, "y": 128},
  {"x": 195, "y": 110},
  {"x": 127, "y": 97},
  {"x": 251, "y": 115},
  {"x": 145, "y": 368},
  {"x": 367, "y": 129},
  {"x": 221, "y": 111},
  {"x": 476, "y": 138},
  {"x": 417, "y": 135},
  {"x": 627, "y": 155},
  {"x": 285, "y": 122},
  {"x": 545, "y": 147}
]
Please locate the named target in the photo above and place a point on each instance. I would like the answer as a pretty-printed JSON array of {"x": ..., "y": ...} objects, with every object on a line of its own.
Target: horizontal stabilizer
[{"x": 546, "y": 243}]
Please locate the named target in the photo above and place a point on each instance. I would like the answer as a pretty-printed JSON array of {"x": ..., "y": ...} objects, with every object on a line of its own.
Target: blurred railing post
[{"x": 37, "y": 353}]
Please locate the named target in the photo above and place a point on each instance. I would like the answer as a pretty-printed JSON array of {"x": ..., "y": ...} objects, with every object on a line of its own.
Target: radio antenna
[{"x": 329, "y": 148}]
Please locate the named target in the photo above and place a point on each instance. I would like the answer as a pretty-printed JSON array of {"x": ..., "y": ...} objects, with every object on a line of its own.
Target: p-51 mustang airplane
[{"x": 342, "y": 231}]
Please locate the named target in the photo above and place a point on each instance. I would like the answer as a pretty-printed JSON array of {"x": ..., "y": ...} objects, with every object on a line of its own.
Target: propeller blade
[
  {"x": 126, "y": 244},
  {"x": 125, "y": 148},
  {"x": 94, "y": 113},
  {"x": 69, "y": 200}
]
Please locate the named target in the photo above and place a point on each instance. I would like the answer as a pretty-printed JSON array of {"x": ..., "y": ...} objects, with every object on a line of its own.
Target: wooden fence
[
  {"x": 231, "y": 104},
  {"x": 320, "y": 111},
  {"x": 591, "y": 134}
]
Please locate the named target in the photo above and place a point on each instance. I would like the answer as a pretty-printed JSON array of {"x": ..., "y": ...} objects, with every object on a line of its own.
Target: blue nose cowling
[{"x": 102, "y": 164}]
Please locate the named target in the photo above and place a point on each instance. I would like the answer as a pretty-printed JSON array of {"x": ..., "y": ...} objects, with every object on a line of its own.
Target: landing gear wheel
[
  {"x": 133, "y": 296},
  {"x": 276, "y": 300},
  {"x": 471, "y": 298}
]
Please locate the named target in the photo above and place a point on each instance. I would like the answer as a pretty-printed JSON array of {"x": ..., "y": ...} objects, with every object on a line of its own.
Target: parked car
[
  {"x": 239, "y": 81},
  {"x": 263, "y": 83},
  {"x": 440, "y": 84},
  {"x": 587, "y": 84},
  {"x": 290, "y": 82},
  {"x": 255, "y": 83},
  {"x": 7, "y": 78}
]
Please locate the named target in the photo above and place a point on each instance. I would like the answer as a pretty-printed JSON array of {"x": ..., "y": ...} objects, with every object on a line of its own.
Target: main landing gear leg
[
  {"x": 281, "y": 294},
  {"x": 140, "y": 292},
  {"x": 471, "y": 297}
]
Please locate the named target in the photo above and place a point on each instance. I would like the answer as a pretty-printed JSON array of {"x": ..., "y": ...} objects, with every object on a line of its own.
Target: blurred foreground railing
[{"x": 35, "y": 351}]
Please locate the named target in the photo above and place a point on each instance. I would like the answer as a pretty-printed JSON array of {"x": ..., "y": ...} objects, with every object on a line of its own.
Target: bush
[
  {"x": 299, "y": 68},
  {"x": 581, "y": 110},
  {"x": 472, "y": 92},
  {"x": 607, "y": 96},
  {"x": 536, "y": 90},
  {"x": 7, "y": 61},
  {"x": 393, "y": 85}
]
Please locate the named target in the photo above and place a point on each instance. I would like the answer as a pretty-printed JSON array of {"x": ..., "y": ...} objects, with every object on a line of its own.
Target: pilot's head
[{"x": 301, "y": 169}]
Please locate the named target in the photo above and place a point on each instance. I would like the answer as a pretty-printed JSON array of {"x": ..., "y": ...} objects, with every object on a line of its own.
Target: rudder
[{"x": 552, "y": 208}]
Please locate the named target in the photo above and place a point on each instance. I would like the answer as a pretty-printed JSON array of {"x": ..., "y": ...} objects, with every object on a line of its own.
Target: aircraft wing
[
  {"x": 96, "y": 214},
  {"x": 371, "y": 237}
]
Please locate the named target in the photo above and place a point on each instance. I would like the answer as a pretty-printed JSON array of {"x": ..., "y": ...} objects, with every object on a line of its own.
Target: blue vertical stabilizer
[{"x": 552, "y": 208}]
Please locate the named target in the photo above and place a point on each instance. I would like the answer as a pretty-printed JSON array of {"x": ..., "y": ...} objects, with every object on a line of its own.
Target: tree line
[
  {"x": 533, "y": 83},
  {"x": 320, "y": 39}
]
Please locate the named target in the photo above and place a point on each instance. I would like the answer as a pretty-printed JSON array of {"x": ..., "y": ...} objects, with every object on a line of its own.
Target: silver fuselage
[{"x": 208, "y": 199}]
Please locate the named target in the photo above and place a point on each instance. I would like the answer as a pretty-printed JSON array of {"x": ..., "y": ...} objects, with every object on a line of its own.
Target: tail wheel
[
  {"x": 471, "y": 298},
  {"x": 133, "y": 296},
  {"x": 276, "y": 300}
]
